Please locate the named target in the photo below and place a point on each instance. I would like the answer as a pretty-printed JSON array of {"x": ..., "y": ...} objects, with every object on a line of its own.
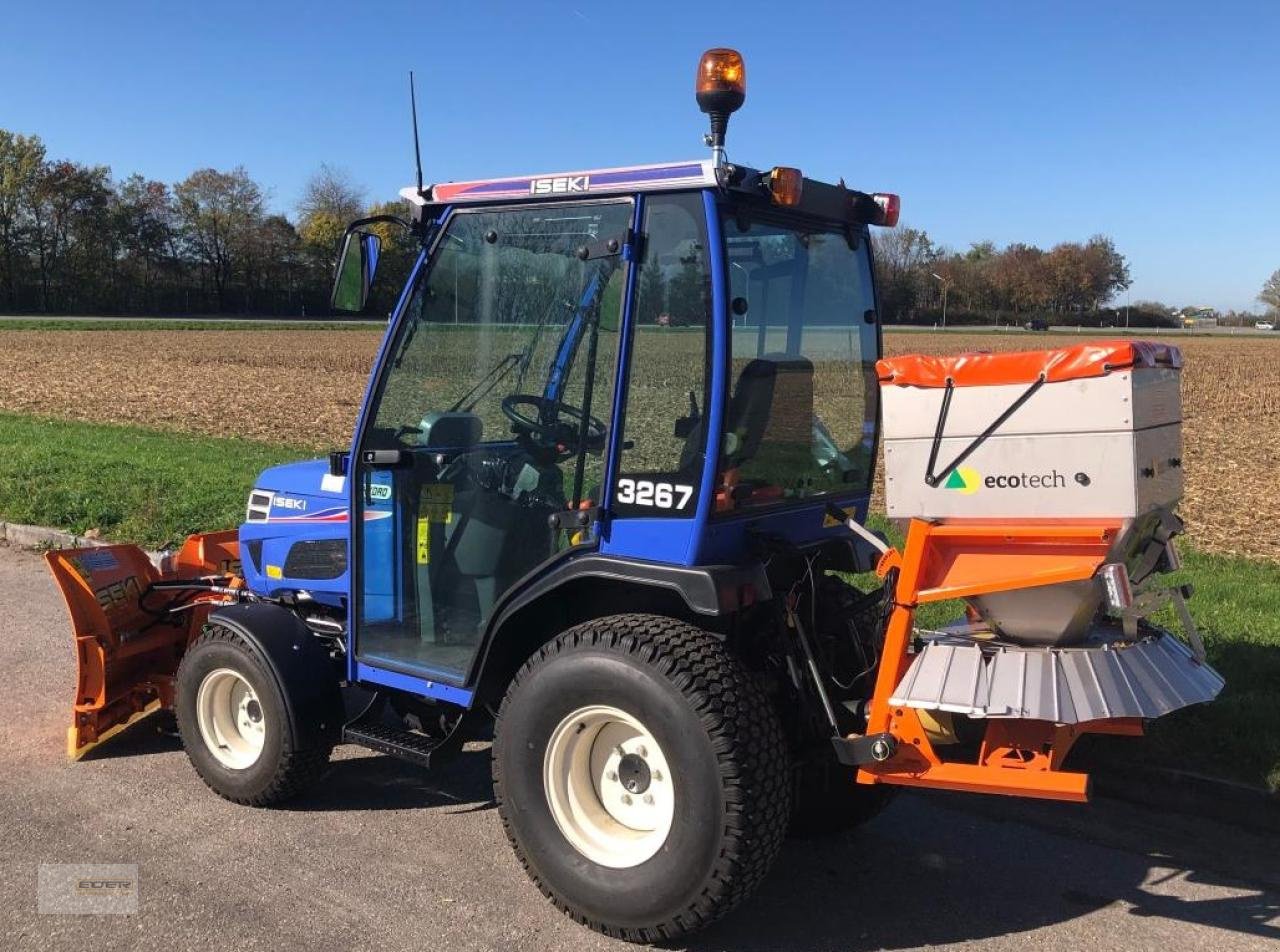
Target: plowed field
[{"x": 304, "y": 387}]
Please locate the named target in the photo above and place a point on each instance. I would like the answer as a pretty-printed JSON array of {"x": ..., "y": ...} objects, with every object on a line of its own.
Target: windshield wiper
[{"x": 486, "y": 383}]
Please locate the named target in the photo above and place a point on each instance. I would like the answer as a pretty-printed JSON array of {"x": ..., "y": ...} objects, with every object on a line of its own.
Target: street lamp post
[{"x": 944, "y": 282}]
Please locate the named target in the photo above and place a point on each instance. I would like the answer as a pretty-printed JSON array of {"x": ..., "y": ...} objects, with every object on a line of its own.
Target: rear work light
[
  {"x": 1115, "y": 577},
  {"x": 785, "y": 185},
  {"x": 890, "y": 206}
]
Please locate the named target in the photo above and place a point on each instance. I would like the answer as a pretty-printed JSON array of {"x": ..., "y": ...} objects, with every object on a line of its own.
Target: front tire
[
  {"x": 236, "y": 725},
  {"x": 641, "y": 776}
]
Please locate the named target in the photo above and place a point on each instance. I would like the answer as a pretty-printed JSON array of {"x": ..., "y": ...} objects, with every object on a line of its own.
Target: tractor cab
[{"x": 641, "y": 364}]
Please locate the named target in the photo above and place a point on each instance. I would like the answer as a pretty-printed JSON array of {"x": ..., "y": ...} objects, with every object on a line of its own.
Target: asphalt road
[{"x": 384, "y": 856}]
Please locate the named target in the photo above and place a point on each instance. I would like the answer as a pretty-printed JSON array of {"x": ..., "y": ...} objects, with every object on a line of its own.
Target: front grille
[{"x": 323, "y": 559}]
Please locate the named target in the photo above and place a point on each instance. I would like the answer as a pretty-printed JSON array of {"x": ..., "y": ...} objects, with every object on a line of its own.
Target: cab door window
[{"x": 497, "y": 395}]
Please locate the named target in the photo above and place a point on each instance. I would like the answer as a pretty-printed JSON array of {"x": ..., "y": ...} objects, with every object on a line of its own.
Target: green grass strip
[
  {"x": 132, "y": 484},
  {"x": 155, "y": 488}
]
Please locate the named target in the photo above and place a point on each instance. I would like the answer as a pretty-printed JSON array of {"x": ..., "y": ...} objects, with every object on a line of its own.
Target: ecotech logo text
[{"x": 967, "y": 480}]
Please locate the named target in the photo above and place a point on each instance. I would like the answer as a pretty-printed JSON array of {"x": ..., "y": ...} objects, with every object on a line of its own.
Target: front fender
[{"x": 305, "y": 672}]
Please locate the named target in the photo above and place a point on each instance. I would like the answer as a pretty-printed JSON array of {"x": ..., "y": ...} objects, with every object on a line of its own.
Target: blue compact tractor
[
  {"x": 597, "y": 497},
  {"x": 605, "y": 499}
]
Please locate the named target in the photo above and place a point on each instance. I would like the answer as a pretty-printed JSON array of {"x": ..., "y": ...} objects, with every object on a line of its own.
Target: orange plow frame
[
  {"x": 127, "y": 656},
  {"x": 960, "y": 558}
]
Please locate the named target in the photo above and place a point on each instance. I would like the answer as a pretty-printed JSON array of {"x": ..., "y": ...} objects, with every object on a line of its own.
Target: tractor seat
[{"x": 771, "y": 407}]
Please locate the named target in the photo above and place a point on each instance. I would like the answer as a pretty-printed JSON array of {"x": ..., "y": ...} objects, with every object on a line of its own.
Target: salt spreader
[{"x": 607, "y": 496}]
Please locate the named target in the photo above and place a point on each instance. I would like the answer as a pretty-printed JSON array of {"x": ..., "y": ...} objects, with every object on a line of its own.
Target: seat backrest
[{"x": 772, "y": 403}]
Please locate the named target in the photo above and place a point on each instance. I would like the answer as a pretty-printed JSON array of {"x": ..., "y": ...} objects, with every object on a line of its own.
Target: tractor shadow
[
  {"x": 370, "y": 781},
  {"x": 155, "y": 734},
  {"x": 925, "y": 874}
]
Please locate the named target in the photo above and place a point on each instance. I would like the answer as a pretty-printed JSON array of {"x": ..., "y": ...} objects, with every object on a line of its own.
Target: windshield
[
  {"x": 507, "y": 308},
  {"x": 802, "y": 405}
]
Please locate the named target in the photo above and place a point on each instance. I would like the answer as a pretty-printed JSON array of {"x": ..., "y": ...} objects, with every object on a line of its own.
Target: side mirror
[{"x": 357, "y": 263}]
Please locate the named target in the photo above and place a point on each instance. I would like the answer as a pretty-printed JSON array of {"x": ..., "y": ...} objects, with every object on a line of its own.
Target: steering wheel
[{"x": 544, "y": 424}]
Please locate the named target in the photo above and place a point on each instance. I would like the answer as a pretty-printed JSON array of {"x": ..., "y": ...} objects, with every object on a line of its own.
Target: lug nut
[
  {"x": 657, "y": 775},
  {"x": 641, "y": 752},
  {"x": 626, "y": 798},
  {"x": 648, "y": 799},
  {"x": 611, "y": 775}
]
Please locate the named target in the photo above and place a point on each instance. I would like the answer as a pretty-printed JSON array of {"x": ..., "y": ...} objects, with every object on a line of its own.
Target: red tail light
[{"x": 890, "y": 206}]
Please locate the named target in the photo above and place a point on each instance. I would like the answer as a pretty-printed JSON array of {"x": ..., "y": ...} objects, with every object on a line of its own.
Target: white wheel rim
[
  {"x": 609, "y": 786},
  {"x": 232, "y": 722}
]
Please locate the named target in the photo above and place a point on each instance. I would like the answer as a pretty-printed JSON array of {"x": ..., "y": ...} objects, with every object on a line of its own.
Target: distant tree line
[
  {"x": 75, "y": 240},
  {"x": 986, "y": 284}
]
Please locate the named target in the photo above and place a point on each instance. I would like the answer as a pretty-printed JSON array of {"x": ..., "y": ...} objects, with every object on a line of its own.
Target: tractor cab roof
[{"x": 783, "y": 187}]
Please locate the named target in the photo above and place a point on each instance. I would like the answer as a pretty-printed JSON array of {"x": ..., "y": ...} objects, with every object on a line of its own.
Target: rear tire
[
  {"x": 236, "y": 724},
  {"x": 828, "y": 799},
  {"x": 641, "y": 776}
]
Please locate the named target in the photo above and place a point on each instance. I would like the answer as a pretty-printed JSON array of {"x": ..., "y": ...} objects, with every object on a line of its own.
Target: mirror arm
[{"x": 378, "y": 220}]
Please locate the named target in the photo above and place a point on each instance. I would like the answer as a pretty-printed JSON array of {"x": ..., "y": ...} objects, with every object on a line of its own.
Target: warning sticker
[
  {"x": 424, "y": 541},
  {"x": 829, "y": 521},
  {"x": 437, "y": 503}
]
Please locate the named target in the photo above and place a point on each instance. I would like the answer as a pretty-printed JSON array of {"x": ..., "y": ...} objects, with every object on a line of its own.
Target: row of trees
[
  {"x": 988, "y": 283},
  {"x": 73, "y": 239}
]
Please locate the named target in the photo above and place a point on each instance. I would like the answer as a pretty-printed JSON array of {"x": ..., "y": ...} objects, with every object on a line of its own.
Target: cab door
[{"x": 490, "y": 415}]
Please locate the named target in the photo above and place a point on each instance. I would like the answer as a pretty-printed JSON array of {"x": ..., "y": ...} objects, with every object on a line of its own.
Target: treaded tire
[
  {"x": 727, "y": 756},
  {"x": 284, "y": 768},
  {"x": 828, "y": 799}
]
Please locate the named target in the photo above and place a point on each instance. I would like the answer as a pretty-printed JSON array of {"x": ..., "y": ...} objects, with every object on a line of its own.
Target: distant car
[
  {"x": 1264, "y": 325},
  {"x": 1036, "y": 325}
]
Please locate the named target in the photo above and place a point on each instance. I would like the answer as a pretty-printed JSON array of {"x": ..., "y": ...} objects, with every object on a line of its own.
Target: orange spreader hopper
[
  {"x": 128, "y": 643},
  {"x": 959, "y": 560}
]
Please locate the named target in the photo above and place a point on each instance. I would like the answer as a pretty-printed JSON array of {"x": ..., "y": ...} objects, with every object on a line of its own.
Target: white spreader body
[{"x": 1098, "y": 446}]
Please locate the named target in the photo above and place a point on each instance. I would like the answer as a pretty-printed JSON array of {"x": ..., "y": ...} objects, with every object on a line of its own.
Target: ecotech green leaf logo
[{"x": 964, "y": 479}]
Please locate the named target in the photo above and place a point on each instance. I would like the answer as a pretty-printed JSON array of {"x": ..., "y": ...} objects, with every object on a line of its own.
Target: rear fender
[{"x": 126, "y": 654}]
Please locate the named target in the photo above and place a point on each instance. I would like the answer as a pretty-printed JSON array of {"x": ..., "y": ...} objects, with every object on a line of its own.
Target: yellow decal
[
  {"x": 424, "y": 541},
  {"x": 437, "y": 503},
  {"x": 829, "y": 521},
  {"x": 274, "y": 571}
]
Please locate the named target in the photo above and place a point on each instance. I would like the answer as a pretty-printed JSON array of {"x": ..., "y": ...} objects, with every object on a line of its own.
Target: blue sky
[{"x": 1154, "y": 123}]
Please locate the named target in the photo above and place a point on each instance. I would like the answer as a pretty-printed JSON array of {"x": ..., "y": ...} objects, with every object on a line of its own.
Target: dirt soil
[{"x": 304, "y": 388}]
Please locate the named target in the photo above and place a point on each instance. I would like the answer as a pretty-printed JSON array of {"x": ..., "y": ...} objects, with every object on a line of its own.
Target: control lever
[{"x": 858, "y": 529}]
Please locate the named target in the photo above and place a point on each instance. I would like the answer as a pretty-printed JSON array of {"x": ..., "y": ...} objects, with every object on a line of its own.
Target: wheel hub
[
  {"x": 609, "y": 787},
  {"x": 230, "y": 717},
  {"x": 634, "y": 773}
]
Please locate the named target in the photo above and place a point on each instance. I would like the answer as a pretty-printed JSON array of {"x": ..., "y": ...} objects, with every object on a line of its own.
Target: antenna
[{"x": 417, "y": 149}]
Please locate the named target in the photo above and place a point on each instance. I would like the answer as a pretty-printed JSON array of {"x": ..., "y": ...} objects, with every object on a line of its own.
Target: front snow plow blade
[{"x": 132, "y": 623}]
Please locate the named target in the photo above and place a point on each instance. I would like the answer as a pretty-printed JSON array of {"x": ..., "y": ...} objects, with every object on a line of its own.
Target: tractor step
[
  {"x": 415, "y": 748},
  {"x": 372, "y": 731}
]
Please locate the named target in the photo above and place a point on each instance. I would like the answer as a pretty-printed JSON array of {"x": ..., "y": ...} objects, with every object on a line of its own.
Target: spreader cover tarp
[{"x": 1093, "y": 359}]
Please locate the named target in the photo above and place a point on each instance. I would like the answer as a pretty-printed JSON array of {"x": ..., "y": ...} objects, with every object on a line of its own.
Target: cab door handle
[{"x": 386, "y": 459}]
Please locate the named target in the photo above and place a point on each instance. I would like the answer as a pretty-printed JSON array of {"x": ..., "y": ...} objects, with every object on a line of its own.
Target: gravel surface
[{"x": 384, "y": 856}]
